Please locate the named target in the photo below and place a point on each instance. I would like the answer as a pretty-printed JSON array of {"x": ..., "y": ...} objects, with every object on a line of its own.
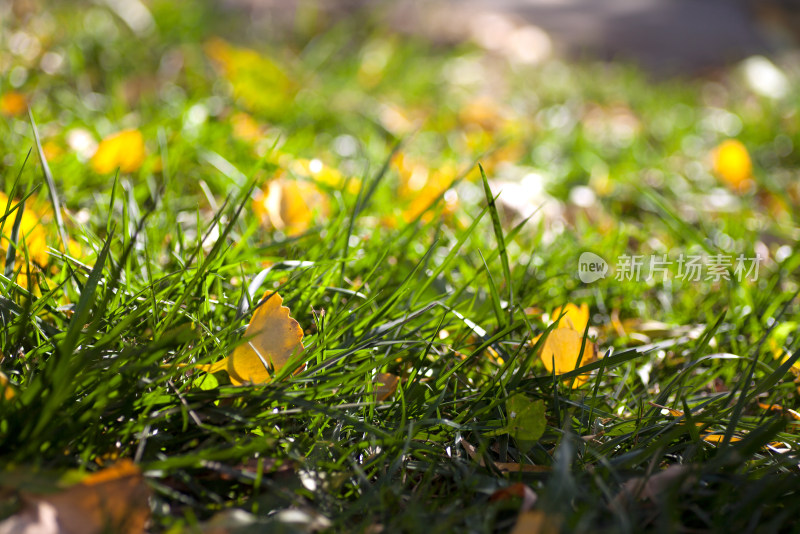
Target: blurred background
[{"x": 665, "y": 37}]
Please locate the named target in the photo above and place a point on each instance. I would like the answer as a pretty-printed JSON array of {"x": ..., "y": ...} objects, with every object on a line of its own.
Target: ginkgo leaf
[
  {"x": 123, "y": 150},
  {"x": 576, "y": 318},
  {"x": 562, "y": 348},
  {"x": 273, "y": 339}
]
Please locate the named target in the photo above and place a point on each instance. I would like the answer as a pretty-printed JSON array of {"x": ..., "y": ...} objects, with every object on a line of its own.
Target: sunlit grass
[{"x": 341, "y": 171}]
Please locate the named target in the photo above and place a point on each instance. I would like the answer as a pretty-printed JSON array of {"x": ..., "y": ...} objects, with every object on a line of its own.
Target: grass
[{"x": 168, "y": 260}]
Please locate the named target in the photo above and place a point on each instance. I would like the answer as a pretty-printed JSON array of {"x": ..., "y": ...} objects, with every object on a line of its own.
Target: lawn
[{"x": 532, "y": 297}]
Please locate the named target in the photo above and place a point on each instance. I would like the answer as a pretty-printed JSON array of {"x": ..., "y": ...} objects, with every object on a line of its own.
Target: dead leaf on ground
[
  {"x": 274, "y": 338},
  {"x": 652, "y": 487},
  {"x": 507, "y": 467},
  {"x": 536, "y": 522},
  {"x": 111, "y": 500},
  {"x": 518, "y": 490},
  {"x": 386, "y": 385}
]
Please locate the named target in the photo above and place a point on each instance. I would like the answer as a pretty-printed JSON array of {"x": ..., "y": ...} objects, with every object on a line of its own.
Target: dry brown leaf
[
  {"x": 274, "y": 338},
  {"x": 386, "y": 385},
  {"x": 520, "y": 490},
  {"x": 507, "y": 467},
  {"x": 650, "y": 488},
  {"x": 111, "y": 500}
]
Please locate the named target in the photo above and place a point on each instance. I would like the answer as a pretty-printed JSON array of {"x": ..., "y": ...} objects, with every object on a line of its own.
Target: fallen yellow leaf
[
  {"x": 123, "y": 150},
  {"x": 778, "y": 408},
  {"x": 274, "y": 338},
  {"x": 32, "y": 237},
  {"x": 562, "y": 348},
  {"x": 718, "y": 438},
  {"x": 576, "y": 318},
  {"x": 289, "y": 205},
  {"x": 732, "y": 165}
]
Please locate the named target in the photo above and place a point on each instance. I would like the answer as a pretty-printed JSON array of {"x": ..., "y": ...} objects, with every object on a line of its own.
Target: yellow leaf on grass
[
  {"x": 778, "y": 408},
  {"x": 123, "y": 150},
  {"x": 732, "y": 165},
  {"x": 273, "y": 339},
  {"x": 289, "y": 205},
  {"x": 421, "y": 187},
  {"x": 576, "y": 318},
  {"x": 31, "y": 240},
  {"x": 562, "y": 348},
  {"x": 718, "y": 438}
]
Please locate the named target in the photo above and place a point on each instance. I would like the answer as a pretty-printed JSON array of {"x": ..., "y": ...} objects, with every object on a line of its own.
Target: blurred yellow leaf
[
  {"x": 576, "y": 318},
  {"x": 13, "y": 104},
  {"x": 421, "y": 186},
  {"x": 52, "y": 151},
  {"x": 289, "y": 205},
  {"x": 483, "y": 112},
  {"x": 273, "y": 338},
  {"x": 123, "y": 150},
  {"x": 258, "y": 82},
  {"x": 732, "y": 165},
  {"x": 778, "y": 408},
  {"x": 718, "y": 438},
  {"x": 563, "y": 348},
  {"x": 5, "y": 387},
  {"x": 112, "y": 500},
  {"x": 32, "y": 236},
  {"x": 246, "y": 128}
]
